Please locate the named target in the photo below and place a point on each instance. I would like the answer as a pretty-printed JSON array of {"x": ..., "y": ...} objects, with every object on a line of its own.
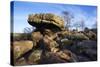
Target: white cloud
[{"x": 80, "y": 14}]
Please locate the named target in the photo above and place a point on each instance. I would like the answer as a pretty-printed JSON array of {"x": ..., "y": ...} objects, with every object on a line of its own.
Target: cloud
[{"x": 89, "y": 17}]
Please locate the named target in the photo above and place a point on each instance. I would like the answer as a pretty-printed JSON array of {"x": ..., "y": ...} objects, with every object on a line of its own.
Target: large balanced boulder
[{"x": 47, "y": 20}]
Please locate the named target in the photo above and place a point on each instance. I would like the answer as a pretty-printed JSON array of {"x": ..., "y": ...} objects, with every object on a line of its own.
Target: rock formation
[
  {"x": 47, "y": 20},
  {"x": 47, "y": 28},
  {"x": 52, "y": 43}
]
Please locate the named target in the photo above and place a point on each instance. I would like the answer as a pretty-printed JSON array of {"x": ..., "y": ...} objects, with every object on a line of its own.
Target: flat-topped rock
[{"x": 47, "y": 20}]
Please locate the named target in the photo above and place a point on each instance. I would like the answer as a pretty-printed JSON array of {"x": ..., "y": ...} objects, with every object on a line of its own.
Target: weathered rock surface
[
  {"x": 58, "y": 57},
  {"x": 47, "y": 20},
  {"x": 19, "y": 48},
  {"x": 85, "y": 49},
  {"x": 91, "y": 35}
]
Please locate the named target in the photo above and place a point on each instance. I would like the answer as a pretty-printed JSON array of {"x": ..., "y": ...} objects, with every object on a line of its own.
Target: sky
[{"x": 20, "y": 11}]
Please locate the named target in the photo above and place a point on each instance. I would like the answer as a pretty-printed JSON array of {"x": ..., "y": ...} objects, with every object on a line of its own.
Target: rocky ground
[{"x": 80, "y": 52}]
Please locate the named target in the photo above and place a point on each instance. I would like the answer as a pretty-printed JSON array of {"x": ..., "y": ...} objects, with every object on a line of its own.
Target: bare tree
[
  {"x": 79, "y": 25},
  {"x": 82, "y": 24},
  {"x": 27, "y": 30},
  {"x": 27, "y": 33},
  {"x": 67, "y": 18},
  {"x": 76, "y": 25},
  {"x": 95, "y": 25}
]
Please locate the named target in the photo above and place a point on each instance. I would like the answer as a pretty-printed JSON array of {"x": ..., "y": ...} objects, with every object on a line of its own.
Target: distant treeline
[
  {"x": 20, "y": 36},
  {"x": 27, "y": 36}
]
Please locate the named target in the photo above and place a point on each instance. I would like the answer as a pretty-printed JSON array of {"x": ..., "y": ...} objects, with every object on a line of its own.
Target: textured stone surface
[
  {"x": 47, "y": 20},
  {"x": 85, "y": 49}
]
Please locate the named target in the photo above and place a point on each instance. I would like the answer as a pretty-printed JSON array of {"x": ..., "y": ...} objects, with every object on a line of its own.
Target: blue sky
[{"x": 23, "y": 9}]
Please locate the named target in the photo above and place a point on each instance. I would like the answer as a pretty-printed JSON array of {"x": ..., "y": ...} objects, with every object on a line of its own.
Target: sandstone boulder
[{"x": 47, "y": 20}]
